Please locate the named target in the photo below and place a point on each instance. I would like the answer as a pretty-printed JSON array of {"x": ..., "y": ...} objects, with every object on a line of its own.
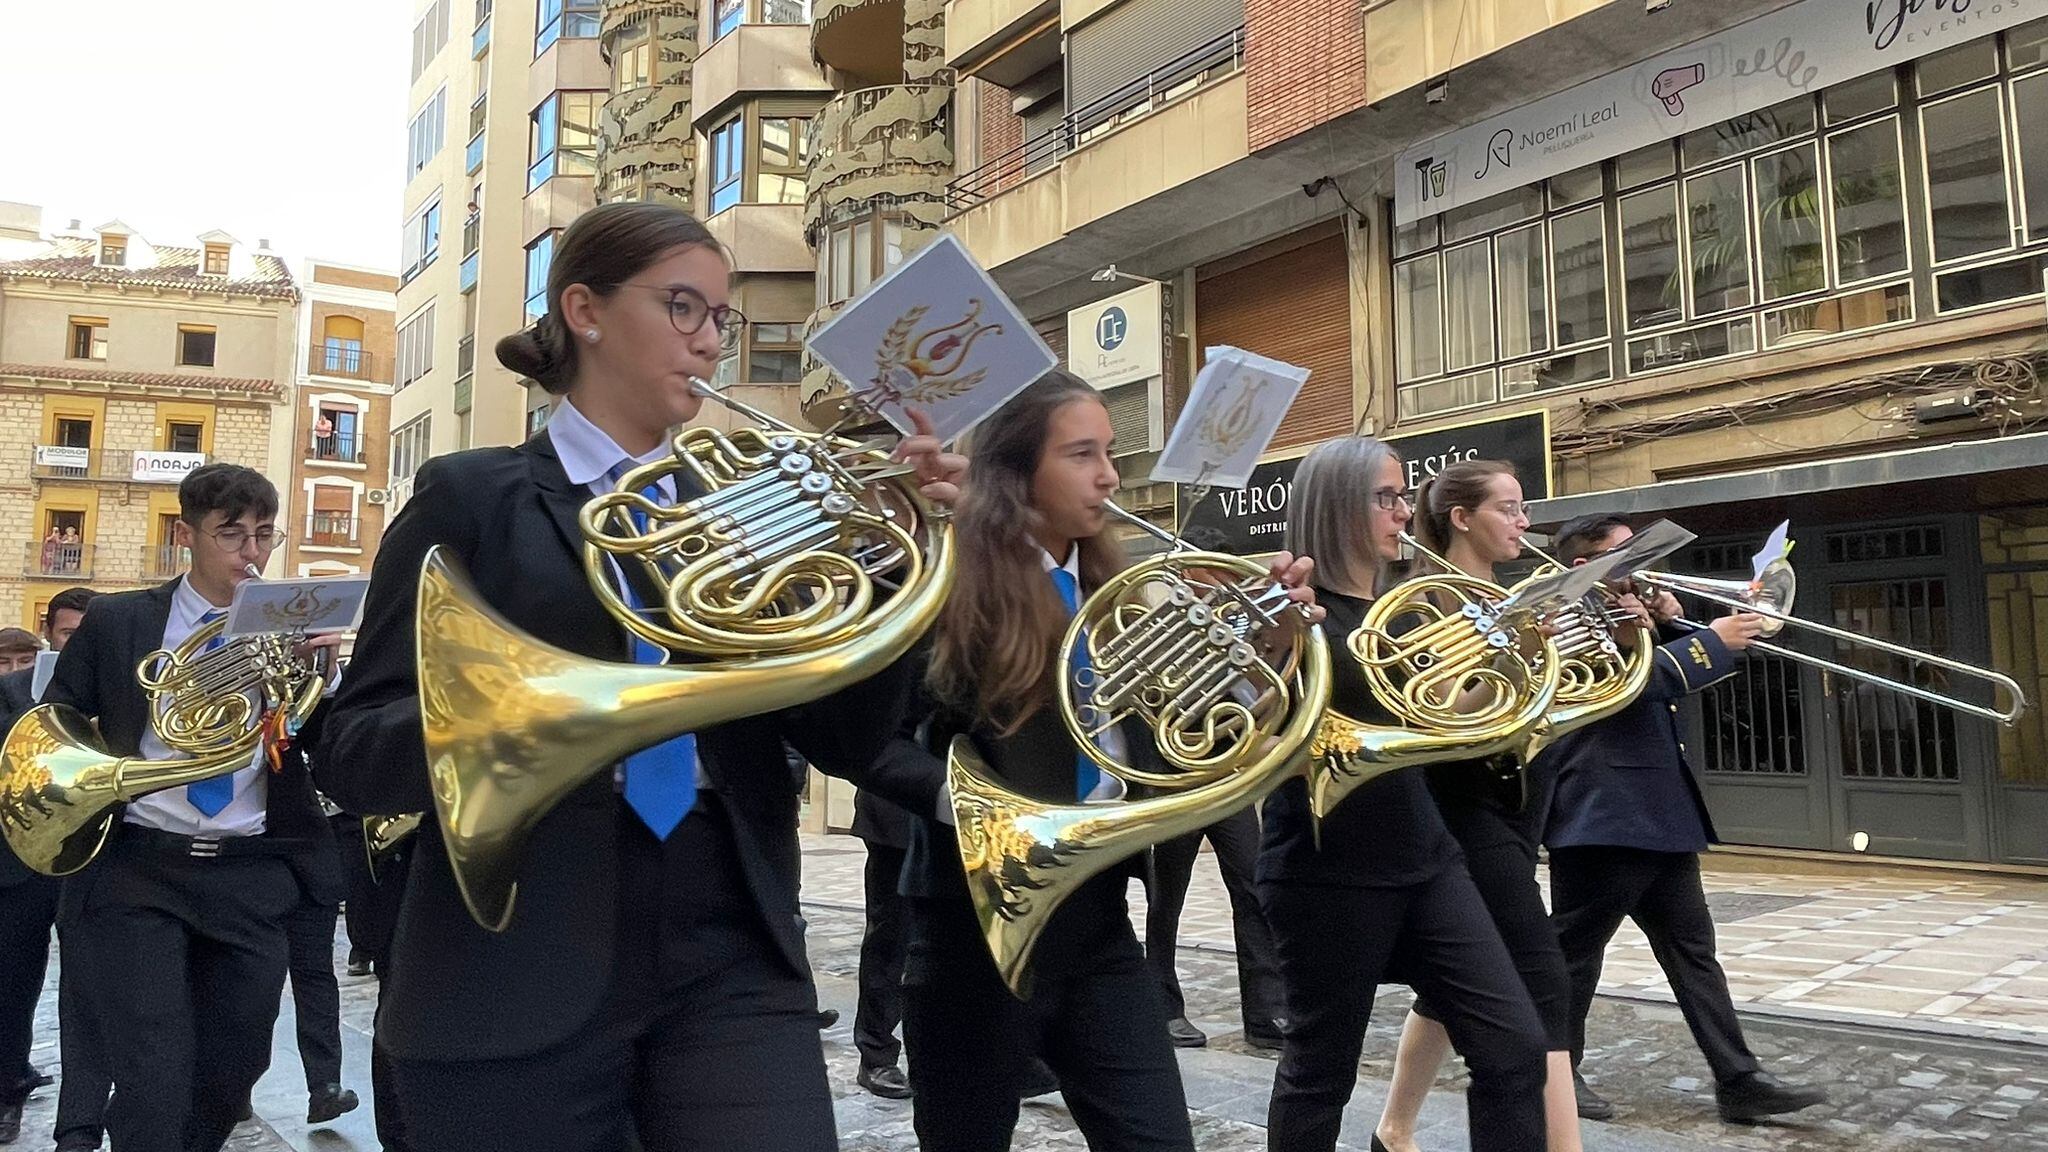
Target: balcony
[
  {"x": 645, "y": 148},
  {"x": 752, "y": 58},
  {"x": 465, "y": 355},
  {"x": 347, "y": 362},
  {"x": 331, "y": 530},
  {"x": 555, "y": 200},
  {"x": 120, "y": 465},
  {"x": 893, "y": 142},
  {"x": 1004, "y": 42},
  {"x": 338, "y": 449},
  {"x": 165, "y": 561},
  {"x": 480, "y": 40},
  {"x": 58, "y": 462},
  {"x": 55, "y": 560},
  {"x": 819, "y": 392},
  {"x": 764, "y": 238},
  {"x": 862, "y": 38}
]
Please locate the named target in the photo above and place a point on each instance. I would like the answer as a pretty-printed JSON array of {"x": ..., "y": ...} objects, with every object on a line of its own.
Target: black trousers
[
  {"x": 1337, "y": 944},
  {"x": 881, "y": 961},
  {"x": 27, "y": 910},
  {"x": 1095, "y": 1018},
  {"x": 1592, "y": 889},
  {"x": 316, "y": 994},
  {"x": 184, "y": 962},
  {"x": 1236, "y": 840},
  {"x": 1504, "y": 871},
  {"x": 87, "y": 1078},
  {"x": 707, "y": 1039}
]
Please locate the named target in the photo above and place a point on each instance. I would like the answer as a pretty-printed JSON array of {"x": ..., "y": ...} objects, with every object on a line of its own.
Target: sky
[{"x": 269, "y": 119}]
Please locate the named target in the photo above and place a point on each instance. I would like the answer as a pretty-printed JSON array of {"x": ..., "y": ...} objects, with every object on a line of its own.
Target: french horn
[
  {"x": 774, "y": 576},
  {"x": 59, "y": 787},
  {"x": 1228, "y": 680}
]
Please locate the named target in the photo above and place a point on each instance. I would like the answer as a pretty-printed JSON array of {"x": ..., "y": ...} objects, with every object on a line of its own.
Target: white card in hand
[
  {"x": 310, "y": 606},
  {"x": 1237, "y": 404}
]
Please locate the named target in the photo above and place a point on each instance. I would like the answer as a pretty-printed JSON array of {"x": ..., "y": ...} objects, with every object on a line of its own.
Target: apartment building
[
  {"x": 339, "y": 488},
  {"x": 125, "y": 363}
]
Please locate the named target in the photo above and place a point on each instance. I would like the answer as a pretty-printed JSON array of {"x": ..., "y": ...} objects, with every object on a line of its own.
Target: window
[
  {"x": 425, "y": 137},
  {"x": 114, "y": 251},
  {"x": 88, "y": 338},
  {"x": 563, "y": 141},
  {"x": 857, "y": 252},
  {"x": 731, "y": 13},
  {"x": 409, "y": 447},
  {"x": 334, "y": 435},
  {"x": 341, "y": 347},
  {"x": 214, "y": 260},
  {"x": 785, "y": 11},
  {"x": 331, "y": 520},
  {"x": 783, "y": 156},
  {"x": 183, "y": 436},
  {"x": 422, "y": 238},
  {"x": 63, "y": 550},
  {"x": 775, "y": 353},
  {"x": 633, "y": 57},
  {"x": 537, "y": 418},
  {"x": 727, "y": 160},
  {"x": 539, "y": 255},
  {"x": 429, "y": 36},
  {"x": 195, "y": 345},
  {"x": 564, "y": 19},
  {"x": 72, "y": 432},
  {"x": 416, "y": 346}
]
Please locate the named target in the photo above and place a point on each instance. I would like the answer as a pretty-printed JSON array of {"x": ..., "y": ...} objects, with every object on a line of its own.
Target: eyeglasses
[
  {"x": 689, "y": 311},
  {"x": 1386, "y": 498},
  {"x": 1513, "y": 509},
  {"x": 232, "y": 539}
]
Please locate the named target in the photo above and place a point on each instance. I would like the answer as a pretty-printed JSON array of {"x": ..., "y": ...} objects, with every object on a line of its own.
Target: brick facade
[
  {"x": 999, "y": 131},
  {"x": 1304, "y": 63}
]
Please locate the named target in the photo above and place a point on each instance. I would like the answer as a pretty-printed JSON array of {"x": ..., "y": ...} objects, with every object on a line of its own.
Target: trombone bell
[{"x": 1769, "y": 595}]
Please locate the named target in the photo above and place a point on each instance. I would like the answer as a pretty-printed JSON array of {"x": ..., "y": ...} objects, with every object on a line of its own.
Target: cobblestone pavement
[{"x": 1911, "y": 1081}]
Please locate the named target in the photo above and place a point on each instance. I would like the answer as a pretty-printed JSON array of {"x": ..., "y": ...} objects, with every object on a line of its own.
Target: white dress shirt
[
  {"x": 588, "y": 455},
  {"x": 169, "y": 810}
]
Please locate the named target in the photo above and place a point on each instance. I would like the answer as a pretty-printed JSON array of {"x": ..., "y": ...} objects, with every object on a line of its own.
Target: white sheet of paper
[
  {"x": 1775, "y": 548},
  {"x": 312, "y": 605},
  {"x": 46, "y": 667},
  {"x": 1235, "y": 407},
  {"x": 935, "y": 334}
]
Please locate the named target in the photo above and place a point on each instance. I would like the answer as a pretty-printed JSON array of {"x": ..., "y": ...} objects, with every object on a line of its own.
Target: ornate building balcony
[
  {"x": 888, "y": 147},
  {"x": 880, "y": 41},
  {"x": 646, "y": 150}
]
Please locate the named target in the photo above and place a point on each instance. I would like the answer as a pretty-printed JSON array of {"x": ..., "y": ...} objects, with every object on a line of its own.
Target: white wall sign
[
  {"x": 165, "y": 467},
  {"x": 1791, "y": 52},
  {"x": 57, "y": 456},
  {"x": 1117, "y": 340}
]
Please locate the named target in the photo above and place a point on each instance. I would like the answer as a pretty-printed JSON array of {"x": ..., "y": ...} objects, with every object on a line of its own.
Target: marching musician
[
  {"x": 179, "y": 924},
  {"x": 28, "y": 910},
  {"x": 1385, "y": 896},
  {"x": 653, "y": 981},
  {"x": 1625, "y": 826},
  {"x": 1032, "y": 548},
  {"x": 1472, "y": 515}
]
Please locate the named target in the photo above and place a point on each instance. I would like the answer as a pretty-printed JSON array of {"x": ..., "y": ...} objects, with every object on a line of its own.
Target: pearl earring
[{"x": 590, "y": 334}]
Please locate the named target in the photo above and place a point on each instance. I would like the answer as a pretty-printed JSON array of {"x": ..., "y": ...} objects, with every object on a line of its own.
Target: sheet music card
[
  {"x": 311, "y": 605},
  {"x": 1236, "y": 405}
]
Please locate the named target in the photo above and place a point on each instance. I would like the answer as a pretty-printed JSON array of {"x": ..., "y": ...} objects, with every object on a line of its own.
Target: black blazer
[
  {"x": 96, "y": 675},
  {"x": 877, "y": 821},
  {"x": 1623, "y": 782},
  {"x": 456, "y": 991},
  {"x": 15, "y": 700}
]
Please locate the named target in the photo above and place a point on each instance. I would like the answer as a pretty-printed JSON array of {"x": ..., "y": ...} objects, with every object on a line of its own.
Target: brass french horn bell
[
  {"x": 771, "y": 574},
  {"x": 1176, "y": 643}
]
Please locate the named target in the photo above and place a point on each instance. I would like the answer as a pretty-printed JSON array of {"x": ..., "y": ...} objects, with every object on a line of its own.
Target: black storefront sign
[{"x": 1253, "y": 519}]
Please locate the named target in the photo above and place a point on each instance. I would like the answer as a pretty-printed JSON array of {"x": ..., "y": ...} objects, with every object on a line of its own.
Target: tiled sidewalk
[{"x": 1949, "y": 952}]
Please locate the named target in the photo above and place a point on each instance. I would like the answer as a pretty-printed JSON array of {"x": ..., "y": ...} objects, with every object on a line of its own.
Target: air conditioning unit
[{"x": 378, "y": 495}]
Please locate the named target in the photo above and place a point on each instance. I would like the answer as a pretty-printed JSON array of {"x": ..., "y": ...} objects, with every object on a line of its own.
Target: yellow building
[{"x": 125, "y": 364}]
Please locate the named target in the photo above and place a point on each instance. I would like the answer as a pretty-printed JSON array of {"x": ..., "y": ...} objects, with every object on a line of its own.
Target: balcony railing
[
  {"x": 54, "y": 462},
  {"x": 68, "y": 559},
  {"x": 164, "y": 561},
  {"x": 465, "y": 355},
  {"x": 472, "y": 232},
  {"x": 890, "y": 143},
  {"x": 342, "y": 449},
  {"x": 1163, "y": 86},
  {"x": 332, "y": 530},
  {"x": 114, "y": 464},
  {"x": 481, "y": 38},
  {"x": 339, "y": 360},
  {"x": 466, "y": 272}
]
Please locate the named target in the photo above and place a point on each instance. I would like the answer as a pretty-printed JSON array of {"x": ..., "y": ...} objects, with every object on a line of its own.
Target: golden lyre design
[
  {"x": 1223, "y": 432},
  {"x": 59, "y": 786},
  {"x": 921, "y": 367},
  {"x": 1228, "y": 682},
  {"x": 771, "y": 575}
]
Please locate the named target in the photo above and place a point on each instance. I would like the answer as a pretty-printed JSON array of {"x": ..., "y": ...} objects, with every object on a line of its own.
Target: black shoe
[
  {"x": 37, "y": 1078},
  {"x": 1038, "y": 1081},
  {"x": 330, "y": 1101},
  {"x": 1378, "y": 1145},
  {"x": 1749, "y": 1098},
  {"x": 1592, "y": 1105},
  {"x": 10, "y": 1123},
  {"x": 1267, "y": 1039},
  {"x": 886, "y": 1081},
  {"x": 358, "y": 967},
  {"x": 79, "y": 1142},
  {"x": 827, "y": 1017},
  {"x": 247, "y": 1113},
  {"x": 1184, "y": 1034}
]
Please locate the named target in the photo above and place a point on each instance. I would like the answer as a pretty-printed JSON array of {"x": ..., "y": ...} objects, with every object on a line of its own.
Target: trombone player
[
  {"x": 179, "y": 922},
  {"x": 1625, "y": 827}
]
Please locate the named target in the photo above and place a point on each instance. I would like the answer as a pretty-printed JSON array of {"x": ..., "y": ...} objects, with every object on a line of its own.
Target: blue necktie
[
  {"x": 661, "y": 782},
  {"x": 1086, "y": 774},
  {"x": 210, "y": 796}
]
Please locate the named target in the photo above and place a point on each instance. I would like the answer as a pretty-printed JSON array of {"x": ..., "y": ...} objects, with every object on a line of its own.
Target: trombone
[{"x": 1770, "y": 596}]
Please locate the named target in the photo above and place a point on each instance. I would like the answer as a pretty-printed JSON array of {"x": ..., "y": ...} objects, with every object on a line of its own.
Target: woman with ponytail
[
  {"x": 651, "y": 989},
  {"x": 1472, "y": 515}
]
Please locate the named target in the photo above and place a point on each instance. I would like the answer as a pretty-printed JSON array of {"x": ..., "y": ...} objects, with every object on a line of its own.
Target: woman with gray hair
[{"x": 1385, "y": 895}]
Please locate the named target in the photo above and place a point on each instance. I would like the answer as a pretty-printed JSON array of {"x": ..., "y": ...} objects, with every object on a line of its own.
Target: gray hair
[{"x": 1329, "y": 508}]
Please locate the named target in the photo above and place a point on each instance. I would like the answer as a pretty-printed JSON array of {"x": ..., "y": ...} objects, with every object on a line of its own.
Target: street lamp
[{"x": 1105, "y": 275}]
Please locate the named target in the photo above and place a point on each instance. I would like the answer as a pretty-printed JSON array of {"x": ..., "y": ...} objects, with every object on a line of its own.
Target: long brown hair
[
  {"x": 1462, "y": 485},
  {"x": 997, "y": 639},
  {"x": 604, "y": 248}
]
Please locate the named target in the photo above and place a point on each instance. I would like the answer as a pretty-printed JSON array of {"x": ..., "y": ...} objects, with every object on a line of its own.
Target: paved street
[{"x": 1933, "y": 1034}]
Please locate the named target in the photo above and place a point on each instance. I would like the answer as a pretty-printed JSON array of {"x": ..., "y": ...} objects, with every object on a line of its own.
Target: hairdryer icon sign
[{"x": 1670, "y": 82}]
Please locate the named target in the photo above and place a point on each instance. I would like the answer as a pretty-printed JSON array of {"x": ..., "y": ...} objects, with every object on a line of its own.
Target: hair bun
[{"x": 540, "y": 353}]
